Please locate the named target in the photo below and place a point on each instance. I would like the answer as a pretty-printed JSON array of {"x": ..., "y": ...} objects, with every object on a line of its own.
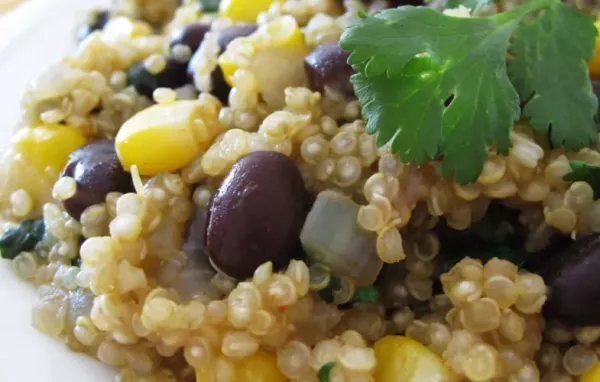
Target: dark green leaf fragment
[
  {"x": 583, "y": 172},
  {"x": 210, "y": 6},
  {"x": 498, "y": 234},
  {"x": 325, "y": 371},
  {"x": 326, "y": 295},
  {"x": 23, "y": 237},
  {"x": 366, "y": 295},
  {"x": 548, "y": 68}
]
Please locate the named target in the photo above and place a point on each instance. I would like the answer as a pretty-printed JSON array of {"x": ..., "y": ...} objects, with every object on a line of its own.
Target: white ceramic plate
[{"x": 32, "y": 36}]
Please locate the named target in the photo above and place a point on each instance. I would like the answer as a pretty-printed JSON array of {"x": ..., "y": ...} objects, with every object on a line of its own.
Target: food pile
[{"x": 316, "y": 190}]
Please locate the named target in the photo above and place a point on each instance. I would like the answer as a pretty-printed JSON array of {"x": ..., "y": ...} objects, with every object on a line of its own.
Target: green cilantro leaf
[
  {"x": 23, "y": 237},
  {"x": 437, "y": 86},
  {"x": 324, "y": 372},
  {"x": 432, "y": 58},
  {"x": 549, "y": 71},
  {"x": 583, "y": 172},
  {"x": 210, "y": 6}
]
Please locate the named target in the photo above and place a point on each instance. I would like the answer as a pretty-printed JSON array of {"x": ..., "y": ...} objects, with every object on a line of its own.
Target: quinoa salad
[{"x": 316, "y": 190}]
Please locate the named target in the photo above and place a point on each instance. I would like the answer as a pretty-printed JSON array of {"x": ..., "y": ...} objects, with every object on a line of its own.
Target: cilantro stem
[{"x": 517, "y": 13}]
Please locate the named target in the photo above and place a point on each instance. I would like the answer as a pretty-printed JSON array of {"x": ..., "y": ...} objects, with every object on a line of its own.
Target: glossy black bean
[
  {"x": 220, "y": 88},
  {"x": 327, "y": 66},
  {"x": 227, "y": 35},
  {"x": 398, "y": 3},
  {"x": 97, "y": 20},
  {"x": 256, "y": 215},
  {"x": 173, "y": 76},
  {"x": 97, "y": 171},
  {"x": 574, "y": 286},
  {"x": 190, "y": 35}
]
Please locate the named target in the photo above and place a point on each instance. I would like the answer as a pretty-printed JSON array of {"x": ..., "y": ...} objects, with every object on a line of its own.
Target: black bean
[
  {"x": 256, "y": 215},
  {"x": 574, "y": 286},
  {"x": 173, "y": 76},
  {"x": 190, "y": 35},
  {"x": 97, "y": 21},
  {"x": 97, "y": 171},
  {"x": 226, "y": 36},
  {"x": 220, "y": 88},
  {"x": 398, "y": 3},
  {"x": 327, "y": 67},
  {"x": 596, "y": 88}
]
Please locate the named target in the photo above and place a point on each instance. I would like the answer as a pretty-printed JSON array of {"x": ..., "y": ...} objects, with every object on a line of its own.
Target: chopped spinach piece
[
  {"x": 210, "y": 6},
  {"x": 325, "y": 371},
  {"x": 23, "y": 237}
]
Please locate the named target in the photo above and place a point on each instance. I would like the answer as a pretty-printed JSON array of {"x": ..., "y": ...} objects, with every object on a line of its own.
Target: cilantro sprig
[{"x": 438, "y": 86}]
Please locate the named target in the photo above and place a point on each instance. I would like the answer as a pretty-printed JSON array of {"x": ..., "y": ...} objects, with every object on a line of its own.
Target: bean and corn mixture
[{"x": 195, "y": 196}]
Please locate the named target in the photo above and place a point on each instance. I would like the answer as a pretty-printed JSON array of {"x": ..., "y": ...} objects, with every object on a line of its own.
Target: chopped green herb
[
  {"x": 366, "y": 295},
  {"x": 210, "y": 6},
  {"x": 23, "y": 237},
  {"x": 325, "y": 371},
  {"x": 498, "y": 234},
  {"x": 413, "y": 61},
  {"x": 76, "y": 262},
  {"x": 583, "y": 172}
]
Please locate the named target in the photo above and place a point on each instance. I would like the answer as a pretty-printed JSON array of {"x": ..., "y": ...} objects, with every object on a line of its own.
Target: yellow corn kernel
[
  {"x": 164, "y": 137},
  {"x": 274, "y": 54},
  {"x": 594, "y": 63},
  {"x": 404, "y": 359},
  {"x": 592, "y": 375},
  {"x": 259, "y": 367},
  {"x": 244, "y": 10},
  {"x": 229, "y": 66},
  {"x": 121, "y": 28},
  {"x": 283, "y": 32},
  {"x": 48, "y": 145}
]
